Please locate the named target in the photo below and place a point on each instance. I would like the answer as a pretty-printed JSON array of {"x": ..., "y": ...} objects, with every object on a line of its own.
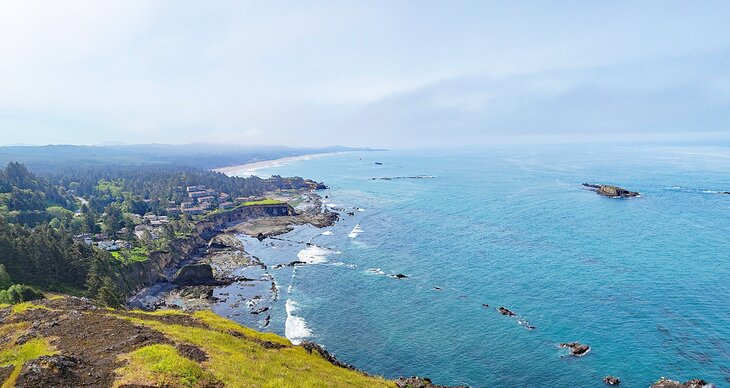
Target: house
[
  {"x": 197, "y": 194},
  {"x": 226, "y": 205},
  {"x": 190, "y": 189},
  {"x": 207, "y": 198},
  {"x": 193, "y": 211},
  {"x": 206, "y": 205},
  {"x": 108, "y": 245},
  {"x": 85, "y": 238},
  {"x": 123, "y": 244}
]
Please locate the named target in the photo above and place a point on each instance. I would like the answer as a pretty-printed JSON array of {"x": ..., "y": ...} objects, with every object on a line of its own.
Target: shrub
[
  {"x": 20, "y": 293},
  {"x": 5, "y": 280}
]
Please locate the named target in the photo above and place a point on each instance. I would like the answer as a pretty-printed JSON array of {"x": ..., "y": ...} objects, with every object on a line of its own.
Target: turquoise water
[{"x": 643, "y": 281}]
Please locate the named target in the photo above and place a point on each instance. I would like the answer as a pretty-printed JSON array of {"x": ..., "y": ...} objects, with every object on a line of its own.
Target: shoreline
[{"x": 249, "y": 169}]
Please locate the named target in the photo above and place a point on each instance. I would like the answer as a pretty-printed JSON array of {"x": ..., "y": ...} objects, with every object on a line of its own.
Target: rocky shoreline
[{"x": 188, "y": 283}]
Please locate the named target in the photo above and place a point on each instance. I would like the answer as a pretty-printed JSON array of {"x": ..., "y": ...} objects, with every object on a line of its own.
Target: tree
[
  {"x": 108, "y": 294},
  {"x": 5, "y": 280},
  {"x": 112, "y": 219}
]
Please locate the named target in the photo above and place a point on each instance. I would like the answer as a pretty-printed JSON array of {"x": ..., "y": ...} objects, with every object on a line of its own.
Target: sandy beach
[{"x": 248, "y": 169}]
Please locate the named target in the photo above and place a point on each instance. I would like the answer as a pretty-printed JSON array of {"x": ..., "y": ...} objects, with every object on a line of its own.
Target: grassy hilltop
[{"x": 67, "y": 341}]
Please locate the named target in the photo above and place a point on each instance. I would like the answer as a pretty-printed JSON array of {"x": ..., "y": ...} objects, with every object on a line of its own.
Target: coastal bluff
[{"x": 137, "y": 275}]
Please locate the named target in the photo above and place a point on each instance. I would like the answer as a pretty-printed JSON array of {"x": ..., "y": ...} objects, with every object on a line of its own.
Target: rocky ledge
[{"x": 611, "y": 191}]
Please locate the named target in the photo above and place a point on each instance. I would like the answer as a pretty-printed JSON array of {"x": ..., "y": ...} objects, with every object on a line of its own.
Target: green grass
[
  {"x": 267, "y": 201},
  {"x": 18, "y": 355},
  {"x": 133, "y": 255},
  {"x": 242, "y": 361},
  {"x": 163, "y": 365}
]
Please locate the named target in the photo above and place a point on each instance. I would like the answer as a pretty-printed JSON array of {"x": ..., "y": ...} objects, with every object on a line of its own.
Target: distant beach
[{"x": 248, "y": 169}]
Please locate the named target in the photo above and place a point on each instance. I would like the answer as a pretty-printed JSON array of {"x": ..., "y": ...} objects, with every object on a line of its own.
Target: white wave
[
  {"x": 327, "y": 233},
  {"x": 360, "y": 209},
  {"x": 355, "y": 231},
  {"x": 709, "y": 191},
  {"x": 341, "y": 264},
  {"x": 376, "y": 271},
  {"x": 314, "y": 254},
  {"x": 295, "y": 327}
]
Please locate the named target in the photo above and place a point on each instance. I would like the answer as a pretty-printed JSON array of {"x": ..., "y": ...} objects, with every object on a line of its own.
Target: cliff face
[
  {"x": 214, "y": 223},
  {"x": 137, "y": 275}
]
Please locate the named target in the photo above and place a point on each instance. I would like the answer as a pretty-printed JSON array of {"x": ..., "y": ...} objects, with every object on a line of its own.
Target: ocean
[{"x": 645, "y": 282}]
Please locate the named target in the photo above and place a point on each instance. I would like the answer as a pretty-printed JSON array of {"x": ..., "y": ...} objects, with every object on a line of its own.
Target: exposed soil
[{"x": 88, "y": 341}]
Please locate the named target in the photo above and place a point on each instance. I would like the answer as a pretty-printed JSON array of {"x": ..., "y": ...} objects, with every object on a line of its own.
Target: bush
[
  {"x": 5, "y": 280},
  {"x": 20, "y": 293}
]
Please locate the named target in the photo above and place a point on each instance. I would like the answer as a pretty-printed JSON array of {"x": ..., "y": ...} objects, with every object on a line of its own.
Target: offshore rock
[
  {"x": 611, "y": 380},
  {"x": 577, "y": 349},
  {"x": 694, "y": 383},
  {"x": 611, "y": 191},
  {"x": 506, "y": 311}
]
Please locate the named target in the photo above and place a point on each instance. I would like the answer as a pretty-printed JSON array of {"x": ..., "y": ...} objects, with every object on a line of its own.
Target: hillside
[{"x": 67, "y": 341}]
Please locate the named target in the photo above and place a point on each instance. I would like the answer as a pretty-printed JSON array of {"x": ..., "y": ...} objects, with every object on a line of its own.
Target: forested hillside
[{"x": 73, "y": 229}]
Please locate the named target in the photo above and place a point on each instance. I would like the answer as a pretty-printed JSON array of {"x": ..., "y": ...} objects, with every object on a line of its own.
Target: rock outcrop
[
  {"x": 694, "y": 383},
  {"x": 506, "y": 311},
  {"x": 418, "y": 382},
  {"x": 195, "y": 275},
  {"x": 611, "y": 191},
  {"x": 611, "y": 380},
  {"x": 577, "y": 349}
]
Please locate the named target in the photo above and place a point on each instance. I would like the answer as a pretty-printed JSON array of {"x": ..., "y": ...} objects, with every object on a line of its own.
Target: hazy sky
[{"x": 390, "y": 73}]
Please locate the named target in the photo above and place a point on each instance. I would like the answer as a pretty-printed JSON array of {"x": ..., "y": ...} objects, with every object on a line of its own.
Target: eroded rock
[
  {"x": 195, "y": 275},
  {"x": 577, "y": 349}
]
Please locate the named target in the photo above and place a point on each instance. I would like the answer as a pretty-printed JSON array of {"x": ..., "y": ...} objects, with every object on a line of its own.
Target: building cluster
[
  {"x": 152, "y": 224},
  {"x": 103, "y": 241},
  {"x": 197, "y": 199},
  {"x": 200, "y": 199}
]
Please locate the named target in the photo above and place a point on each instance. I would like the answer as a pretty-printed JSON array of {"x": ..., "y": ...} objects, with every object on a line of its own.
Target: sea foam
[
  {"x": 355, "y": 231},
  {"x": 295, "y": 328},
  {"x": 314, "y": 254}
]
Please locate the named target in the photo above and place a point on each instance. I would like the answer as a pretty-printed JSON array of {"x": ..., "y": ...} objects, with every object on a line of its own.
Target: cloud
[{"x": 360, "y": 73}]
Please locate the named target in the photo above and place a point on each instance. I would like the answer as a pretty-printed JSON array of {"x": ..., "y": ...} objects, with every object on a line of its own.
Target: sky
[{"x": 364, "y": 73}]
